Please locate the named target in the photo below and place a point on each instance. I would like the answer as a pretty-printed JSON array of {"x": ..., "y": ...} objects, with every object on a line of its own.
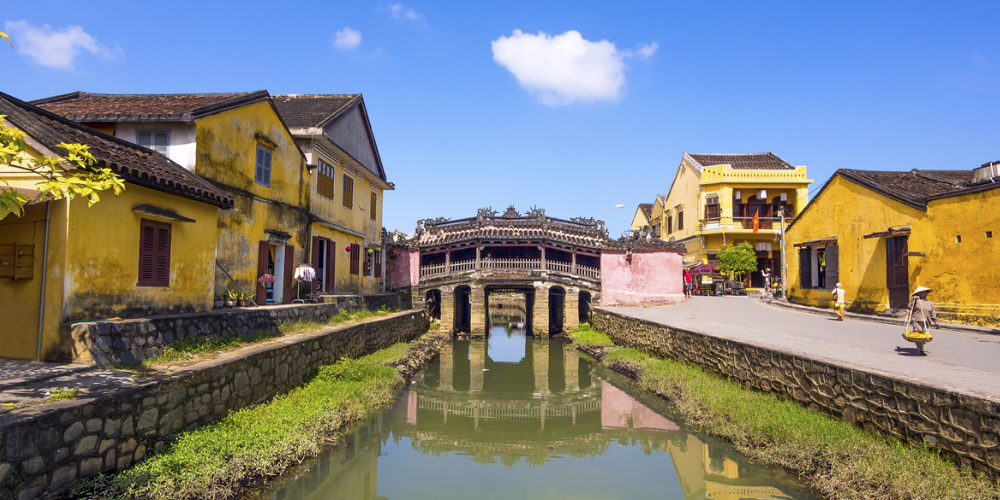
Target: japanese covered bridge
[{"x": 559, "y": 266}]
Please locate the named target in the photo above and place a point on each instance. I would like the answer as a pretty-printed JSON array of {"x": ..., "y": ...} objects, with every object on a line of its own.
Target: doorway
[
  {"x": 557, "y": 307},
  {"x": 463, "y": 309},
  {"x": 897, "y": 272}
]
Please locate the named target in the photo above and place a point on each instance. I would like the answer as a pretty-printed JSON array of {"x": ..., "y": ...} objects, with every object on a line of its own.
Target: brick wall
[
  {"x": 964, "y": 426},
  {"x": 45, "y": 449}
]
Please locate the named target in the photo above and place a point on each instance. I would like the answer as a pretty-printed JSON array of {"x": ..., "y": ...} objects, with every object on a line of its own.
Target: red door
[{"x": 897, "y": 272}]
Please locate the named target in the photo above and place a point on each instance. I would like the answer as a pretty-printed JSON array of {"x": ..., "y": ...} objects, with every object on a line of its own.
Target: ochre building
[
  {"x": 884, "y": 233},
  {"x": 150, "y": 250}
]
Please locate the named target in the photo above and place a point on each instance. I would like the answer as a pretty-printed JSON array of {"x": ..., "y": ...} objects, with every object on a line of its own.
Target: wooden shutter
[
  {"x": 263, "y": 253},
  {"x": 314, "y": 262},
  {"x": 348, "y": 192},
  {"x": 670, "y": 224},
  {"x": 374, "y": 205},
  {"x": 832, "y": 266},
  {"x": 154, "y": 253},
  {"x": 355, "y": 258},
  {"x": 805, "y": 268},
  {"x": 331, "y": 265},
  {"x": 680, "y": 220},
  {"x": 378, "y": 263},
  {"x": 286, "y": 289}
]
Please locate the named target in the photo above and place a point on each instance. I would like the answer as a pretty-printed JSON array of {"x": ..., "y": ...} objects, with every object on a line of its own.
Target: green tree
[
  {"x": 737, "y": 260},
  {"x": 66, "y": 176}
]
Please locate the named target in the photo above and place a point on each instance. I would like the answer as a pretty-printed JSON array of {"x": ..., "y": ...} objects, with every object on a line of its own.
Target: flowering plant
[{"x": 266, "y": 278}]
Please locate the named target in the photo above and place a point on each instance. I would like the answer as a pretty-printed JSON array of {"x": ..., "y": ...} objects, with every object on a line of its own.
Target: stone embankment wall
[
  {"x": 45, "y": 449},
  {"x": 107, "y": 343},
  {"x": 964, "y": 426}
]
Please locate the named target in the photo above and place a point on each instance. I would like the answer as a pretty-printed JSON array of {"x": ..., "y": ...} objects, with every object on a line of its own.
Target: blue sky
[{"x": 463, "y": 122}]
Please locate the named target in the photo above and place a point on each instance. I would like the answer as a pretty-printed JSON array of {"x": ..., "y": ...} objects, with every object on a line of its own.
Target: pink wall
[
  {"x": 621, "y": 411},
  {"x": 403, "y": 267},
  {"x": 653, "y": 277}
]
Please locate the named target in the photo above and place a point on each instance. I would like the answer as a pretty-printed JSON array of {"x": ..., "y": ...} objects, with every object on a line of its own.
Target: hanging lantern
[
  {"x": 370, "y": 251},
  {"x": 348, "y": 249}
]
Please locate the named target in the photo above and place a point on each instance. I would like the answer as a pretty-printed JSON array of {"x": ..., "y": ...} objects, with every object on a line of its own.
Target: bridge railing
[{"x": 508, "y": 264}]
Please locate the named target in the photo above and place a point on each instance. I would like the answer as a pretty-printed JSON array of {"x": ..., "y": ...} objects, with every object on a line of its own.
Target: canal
[{"x": 514, "y": 416}]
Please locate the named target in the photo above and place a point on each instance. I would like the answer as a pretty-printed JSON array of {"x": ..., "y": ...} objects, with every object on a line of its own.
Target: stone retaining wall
[
  {"x": 45, "y": 449},
  {"x": 964, "y": 426},
  {"x": 107, "y": 343}
]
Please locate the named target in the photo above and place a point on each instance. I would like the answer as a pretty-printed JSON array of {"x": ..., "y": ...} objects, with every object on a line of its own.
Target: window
[
  {"x": 670, "y": 224},
  {"x": 378, "y": 264},
  {"x": 324, "y": 180},
  {"x": 262, "y": 174},
  {"x": 154, "y": 253},
  {"x": 374, "y": 205},
  {"x": 680, "y": 220},
  {"x": 348, "y": 192},
  {"x": 368, "y": 262},
  {"x": 157, "y": 141},
  {"x": 355, "y": 258},
  {"x": 712, "y": 207}
]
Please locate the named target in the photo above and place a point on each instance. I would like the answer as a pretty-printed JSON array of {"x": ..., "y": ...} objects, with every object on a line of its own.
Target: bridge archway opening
[
  {"x": 584, "y": 304},
  {"x": 510, "y": 306},
  {"x": 463, "y": 309},
  {"x": 432, "y": 302},
  {"x": 557, "y": 308}
]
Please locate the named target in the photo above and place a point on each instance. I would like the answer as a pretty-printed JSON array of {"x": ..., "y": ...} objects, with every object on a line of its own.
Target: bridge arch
[
  {"x": 432, "y": 301},
  {"x": 557, "y": 309},
  {"x": 584, "y": 306},
  {"x": 463, "y": 309}
]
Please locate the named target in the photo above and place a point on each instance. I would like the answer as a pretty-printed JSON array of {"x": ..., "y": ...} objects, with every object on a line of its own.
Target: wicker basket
[{"x": 918, "y": 337}]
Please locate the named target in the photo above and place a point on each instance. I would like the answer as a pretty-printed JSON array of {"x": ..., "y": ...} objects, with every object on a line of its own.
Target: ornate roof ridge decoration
[
  {"x": 511, "y": 213},
  {"x": 644, "y": 240}
]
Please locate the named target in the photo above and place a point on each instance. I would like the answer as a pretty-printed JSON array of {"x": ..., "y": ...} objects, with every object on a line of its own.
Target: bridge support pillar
[
  {"x": 477, "y": 361},
  {"x": 540, "y": 362},
  {"x": 571, "y": 362},
  {"x": 540, "y": 313},
  {"x": 447, "y": 368},
  {"x": 571, "y": 313},
  {"x": 478, "y": 320},
  {"x": 447, "y": 309}
]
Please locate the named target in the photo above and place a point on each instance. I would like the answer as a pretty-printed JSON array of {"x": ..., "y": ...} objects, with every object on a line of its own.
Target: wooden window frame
[
  {"x": 670, "y": 224},
  {"x": 154, "y": 254},
  {"x": 680, "y": 220},
  {"x": 713, "y": 210},
  {"x": 325, "y": 184},
  {"x": 258, "y": 172},
  {"x": 348, "y": 191},
  {"x": 373, "y": 205},
  {"x": 355, "y": 259}
]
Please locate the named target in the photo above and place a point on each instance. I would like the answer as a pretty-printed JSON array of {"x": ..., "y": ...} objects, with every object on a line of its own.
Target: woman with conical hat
[{"x": 919, "y": 318}]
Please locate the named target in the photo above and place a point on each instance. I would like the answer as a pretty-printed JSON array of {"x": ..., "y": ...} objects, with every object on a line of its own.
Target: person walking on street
[
  {"x": 688, "y": 283},
  {"x": 766, "y": 274},
  {"x": 838, "y": 301},
  {"x": 919, "y": 319}
]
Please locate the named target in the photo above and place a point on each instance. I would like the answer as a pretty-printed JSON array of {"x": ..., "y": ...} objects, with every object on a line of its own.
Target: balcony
[
  {"x": 724, "y": 173},
  {"x": 510, "y": 265},
  {"x": 742, "y": 223}
]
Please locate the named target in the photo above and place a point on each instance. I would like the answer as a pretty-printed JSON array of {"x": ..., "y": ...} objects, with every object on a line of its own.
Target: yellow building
[
  {"x": 150, "y": 250},
  {"x": 642, "y": 215},
  {"x": 347, "y": 182},
  {"x": 714, "y": 197},
  {"x": 882, "y": 234}
]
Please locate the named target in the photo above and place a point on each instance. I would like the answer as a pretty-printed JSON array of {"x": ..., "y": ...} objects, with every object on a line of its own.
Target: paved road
[{"x": 961, "y": 361}]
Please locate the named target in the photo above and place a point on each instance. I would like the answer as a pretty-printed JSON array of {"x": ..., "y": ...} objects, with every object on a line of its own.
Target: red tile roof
[
  {"x": 87, "y": 107},
  {"x": 312, "y": 110},
  {"x": 913, "y": 187},
  {"x": 749, "y": 161},
  {"x": 647, "y": 208},
  {"x": 134, "y": 163}
]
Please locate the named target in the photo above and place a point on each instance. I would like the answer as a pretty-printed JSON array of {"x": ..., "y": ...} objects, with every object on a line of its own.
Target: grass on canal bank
[
  {"x": 839, "y": 460},
  {"x": 220, "y": 460}
]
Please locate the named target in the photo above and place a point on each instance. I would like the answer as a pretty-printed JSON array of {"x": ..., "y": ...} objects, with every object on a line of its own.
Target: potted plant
[
  {"x": 246, "y": 298},
  {"x": 232, "y": 297},
  {"x": 220, "y": 302}
]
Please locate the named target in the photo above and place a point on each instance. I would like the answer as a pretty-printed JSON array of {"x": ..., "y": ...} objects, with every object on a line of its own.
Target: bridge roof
[{"x": 512, "y": 227}]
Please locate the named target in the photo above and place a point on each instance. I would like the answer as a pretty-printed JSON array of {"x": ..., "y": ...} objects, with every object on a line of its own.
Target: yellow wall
[
  {"x": 226, "y": 154},
  {"x": 639, "y": 220},
  {"x": 356, "y": 219},
  {"x": 848, "y": 211},
  {"x": 964, "y": 276}
]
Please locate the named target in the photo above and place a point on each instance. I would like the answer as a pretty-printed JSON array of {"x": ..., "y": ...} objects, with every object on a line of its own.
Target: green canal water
[{"x": 514, "y": 416}]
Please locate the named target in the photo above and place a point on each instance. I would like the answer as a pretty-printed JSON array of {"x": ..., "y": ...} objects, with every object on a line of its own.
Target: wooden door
[{"x": 897, "y": 272}]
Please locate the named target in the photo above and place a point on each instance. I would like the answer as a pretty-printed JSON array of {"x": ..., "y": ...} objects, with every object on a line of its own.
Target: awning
[
  {"x": 816, "y": 243},
  {"x": 903, "y": 231}
]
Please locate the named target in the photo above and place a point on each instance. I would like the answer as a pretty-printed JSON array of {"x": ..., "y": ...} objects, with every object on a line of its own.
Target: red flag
[{"x": 756, "y": 221}]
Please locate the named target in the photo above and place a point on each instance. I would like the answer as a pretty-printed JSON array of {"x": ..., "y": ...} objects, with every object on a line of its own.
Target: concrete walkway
[
  {"x": 957, "y": 360},
  {"x": 15, "y": 372}
]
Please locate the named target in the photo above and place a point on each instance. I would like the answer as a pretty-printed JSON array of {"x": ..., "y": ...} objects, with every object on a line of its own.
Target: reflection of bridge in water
[{"x": 549, "y": 405}]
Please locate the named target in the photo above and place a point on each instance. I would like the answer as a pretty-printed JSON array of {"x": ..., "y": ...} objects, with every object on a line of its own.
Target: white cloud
[
  {"x": 399, "y": 11},
  {"x": 566, "y": 68},
  {"x": 347, "y": 39},
  {"x": 55, "y": 49}
]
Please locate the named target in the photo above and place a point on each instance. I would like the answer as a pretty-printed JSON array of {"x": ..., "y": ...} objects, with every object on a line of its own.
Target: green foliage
[
  {"x": 738, "y": 260},
  {"x": 60, "y": 394},
  {"x": 217, "y": 460},
  {"x": 66, "y": 176},
  {"x": 587, "y": 336},
  {"x": 4, "y": 36}
]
